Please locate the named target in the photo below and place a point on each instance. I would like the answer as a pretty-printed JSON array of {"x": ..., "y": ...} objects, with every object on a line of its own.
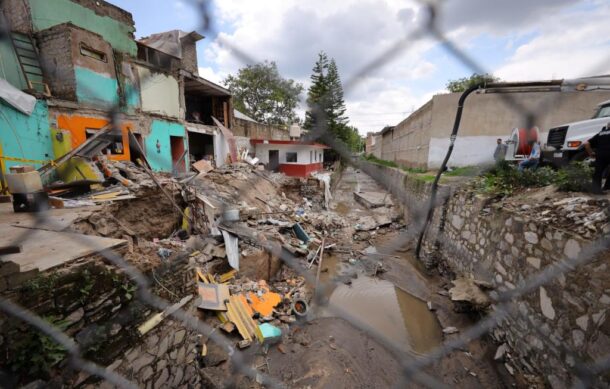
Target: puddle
[
  {"x": 342, "y": 209},
  {"x": 404, "y": 319}
]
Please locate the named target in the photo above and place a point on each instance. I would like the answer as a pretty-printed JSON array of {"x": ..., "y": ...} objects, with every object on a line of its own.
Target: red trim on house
[
  {"x": 300, "y": 169},
  {"x": 288, "y": 142}
]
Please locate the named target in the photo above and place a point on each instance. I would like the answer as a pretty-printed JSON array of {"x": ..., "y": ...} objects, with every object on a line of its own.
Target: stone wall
[
  {"x": 473, "y": 236},
  {"x": 92, "y": 302}
]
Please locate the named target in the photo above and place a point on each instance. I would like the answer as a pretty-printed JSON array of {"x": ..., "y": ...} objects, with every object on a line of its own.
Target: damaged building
[{"x": 80, "y": 59}]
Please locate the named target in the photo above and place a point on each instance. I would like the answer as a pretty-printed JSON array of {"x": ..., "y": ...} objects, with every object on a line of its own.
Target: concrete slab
[
  {"x": 43, "y": 243},
  {"x": 373, "y": 199}
]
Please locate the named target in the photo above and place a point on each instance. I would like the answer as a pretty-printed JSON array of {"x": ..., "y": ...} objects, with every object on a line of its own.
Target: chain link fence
[{"x": 587, "y": 372}]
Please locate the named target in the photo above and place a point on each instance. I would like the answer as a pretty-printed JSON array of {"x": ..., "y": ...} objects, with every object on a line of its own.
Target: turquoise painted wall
[
  {"x": 161, "y": 130},
  {"x": 132, "y": 96},
  {"x": 9, "y": 66},
  {"x": 92, "y": 87},
  {"x": 47, "y": 13},
  {"x": 25, "y": 136}
]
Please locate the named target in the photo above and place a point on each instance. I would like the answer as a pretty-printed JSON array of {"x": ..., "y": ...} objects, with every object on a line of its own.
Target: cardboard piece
[
  {"x": 213, "y": 296},
  {"x": 203, "y": 166}
]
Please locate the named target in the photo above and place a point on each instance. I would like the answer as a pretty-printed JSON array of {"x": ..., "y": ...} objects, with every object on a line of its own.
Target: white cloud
[
  {"x": 564, "y": 48},
  {"x": 354, "y": 32}
]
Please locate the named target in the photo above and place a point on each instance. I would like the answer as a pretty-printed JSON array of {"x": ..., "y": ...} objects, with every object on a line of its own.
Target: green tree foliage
[
  {"x": 262, "y": 93},
  {"x": 325, "y": 102},
  {"x": 461, "y": 84}
]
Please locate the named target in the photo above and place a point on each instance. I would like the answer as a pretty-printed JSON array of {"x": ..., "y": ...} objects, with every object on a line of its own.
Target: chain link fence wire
[{"x": 414, "y": 369}]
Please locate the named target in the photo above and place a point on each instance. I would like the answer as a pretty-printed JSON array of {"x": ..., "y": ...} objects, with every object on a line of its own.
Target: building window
[
  {"x": 291, "y": 157},
  {"x": 310, "y": 156},
  {"x": 92, "y": 53}
]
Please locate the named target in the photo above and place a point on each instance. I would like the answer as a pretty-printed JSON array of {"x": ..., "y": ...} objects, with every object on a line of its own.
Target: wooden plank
[{"x": 157, "y": 318}]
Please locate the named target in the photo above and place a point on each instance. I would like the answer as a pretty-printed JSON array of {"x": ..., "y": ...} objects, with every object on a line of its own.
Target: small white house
[{"x": 291, "y": 157}]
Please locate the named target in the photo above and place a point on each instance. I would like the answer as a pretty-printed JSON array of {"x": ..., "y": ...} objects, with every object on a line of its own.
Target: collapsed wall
[{"x": 506, "y": 243}]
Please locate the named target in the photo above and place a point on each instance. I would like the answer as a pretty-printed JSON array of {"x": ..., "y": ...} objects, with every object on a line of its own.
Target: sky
[{"x": 517, "y": 40}]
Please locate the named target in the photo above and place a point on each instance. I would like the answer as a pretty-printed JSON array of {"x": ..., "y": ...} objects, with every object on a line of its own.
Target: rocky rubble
[{"x": 583, "y": 214}]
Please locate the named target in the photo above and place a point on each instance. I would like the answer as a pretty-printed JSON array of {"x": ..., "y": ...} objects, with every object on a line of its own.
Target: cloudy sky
[{"x": 514, "y": 40}]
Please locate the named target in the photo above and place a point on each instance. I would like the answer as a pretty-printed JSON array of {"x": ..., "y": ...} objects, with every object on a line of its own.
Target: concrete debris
[
  {"x": 468, "y": 296},
  {"x": 450, "y": 330},
  {"x": 583, "y": 215},
  {"x": 501, "y": 352}
]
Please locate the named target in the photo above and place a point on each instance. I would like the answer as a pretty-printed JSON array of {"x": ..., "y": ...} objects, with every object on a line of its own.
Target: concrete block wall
[
  {"x": 255, "y": 130},
  {"x": 17, "y": 14},
  {"x": 471, "y": 237},
  {"x": 189, "y": 56},
  {"x": 55, "y": 48}
]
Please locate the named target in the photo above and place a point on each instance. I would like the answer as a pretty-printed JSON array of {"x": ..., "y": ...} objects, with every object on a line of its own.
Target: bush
[
  {"x": 504, "y": 178},
  {"x": 576, "y": 177}
]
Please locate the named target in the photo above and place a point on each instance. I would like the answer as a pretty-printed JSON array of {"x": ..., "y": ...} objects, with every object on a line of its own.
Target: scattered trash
[
  {"x": 213, "y": 296},
  {"x": 450, "y": 330},
  {"x": 263, "y": 301},
  {"x": 300, "y": 233},
  {"x": 270, "y": 333},
  {"x": 299, "y": 307}
]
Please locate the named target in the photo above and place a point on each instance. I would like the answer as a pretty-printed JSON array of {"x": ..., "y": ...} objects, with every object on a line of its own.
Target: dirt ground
[{"x": 329, "y": 352}]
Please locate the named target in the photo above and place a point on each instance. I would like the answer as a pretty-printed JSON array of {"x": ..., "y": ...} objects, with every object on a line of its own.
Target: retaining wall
[{"x": 472, "y": 236}]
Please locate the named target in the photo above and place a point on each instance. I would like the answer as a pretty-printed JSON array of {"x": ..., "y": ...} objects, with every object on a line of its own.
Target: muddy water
[
  {"x": 342, "y": 209},
  {"x": 402, "y": 318}
]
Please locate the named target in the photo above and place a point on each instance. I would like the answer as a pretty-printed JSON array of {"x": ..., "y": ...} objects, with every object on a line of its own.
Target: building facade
[
  {"x": 421, "y": 140},
  {"x": 80, "y": 59},
  {"x": 293, "y": 158}
]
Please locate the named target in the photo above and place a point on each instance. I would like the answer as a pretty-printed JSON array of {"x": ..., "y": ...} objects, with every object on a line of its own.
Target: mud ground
[{"x": 329, "y": 352}]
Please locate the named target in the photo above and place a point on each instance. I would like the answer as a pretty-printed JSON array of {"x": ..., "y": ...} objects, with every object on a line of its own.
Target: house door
[
  {"x": 274, "y": 160},
  {"x": 178, "y": 154}
]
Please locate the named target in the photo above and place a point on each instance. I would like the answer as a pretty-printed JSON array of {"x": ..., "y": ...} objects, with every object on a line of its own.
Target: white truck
[{"x": 565, "y": 143}]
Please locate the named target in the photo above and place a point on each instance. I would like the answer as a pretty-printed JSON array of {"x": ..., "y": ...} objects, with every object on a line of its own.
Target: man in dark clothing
[
  {"x": 601, "y": 143},
  {"x": 500, "y": 151}
]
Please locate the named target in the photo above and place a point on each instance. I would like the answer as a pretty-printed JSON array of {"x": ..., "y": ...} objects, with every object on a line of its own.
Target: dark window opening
[
  {"x": 200, "y": 109},
  {"x": 134, "y": 150},
  {"x": 155, "y": 57},
  {"x": 201, "y": 146},
  {"x": 291, "y": 157},
  {"x": 116, "y": 141},
  {"x": 92, "y": 53}
]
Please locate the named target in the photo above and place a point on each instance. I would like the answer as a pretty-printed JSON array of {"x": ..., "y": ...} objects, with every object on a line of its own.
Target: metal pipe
[{"x": 456, "y": 127}]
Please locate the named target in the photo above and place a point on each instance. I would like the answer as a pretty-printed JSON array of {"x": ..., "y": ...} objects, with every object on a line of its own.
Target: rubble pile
[{"x": 584, "y": 215}]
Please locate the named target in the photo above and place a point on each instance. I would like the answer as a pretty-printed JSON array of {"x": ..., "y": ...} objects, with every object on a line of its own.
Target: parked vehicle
[
  {"x": 565, "y": 143},
  {"x": 518, "y": 145}
]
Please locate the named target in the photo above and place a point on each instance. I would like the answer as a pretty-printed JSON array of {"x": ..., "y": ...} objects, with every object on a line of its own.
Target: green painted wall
[
  {"x": 96, "y": 88},
  {"x": 9, "y": 66},
  {"x": 49, "y": 13},
  {"x": 25, "y": 136},
  {"x": 161, "y": 130}
]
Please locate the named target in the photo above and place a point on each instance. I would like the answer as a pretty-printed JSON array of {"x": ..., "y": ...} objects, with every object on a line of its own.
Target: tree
[
  {"x": 461, "y": 84},
  {"x": 325, "y": 101},
  {"x": 262, "y": 93}
]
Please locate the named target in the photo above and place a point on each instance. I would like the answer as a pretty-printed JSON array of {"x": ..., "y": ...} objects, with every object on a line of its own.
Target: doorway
[
  {"x": 201, "y": 146},
  {"x": 274, "y": 160},
  {"x": 178, "y": 154}
]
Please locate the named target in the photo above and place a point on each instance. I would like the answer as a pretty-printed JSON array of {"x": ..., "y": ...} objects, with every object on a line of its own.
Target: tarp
[
  {"x": 232, "y": 249},
  {"x": 19, "y": 100}
]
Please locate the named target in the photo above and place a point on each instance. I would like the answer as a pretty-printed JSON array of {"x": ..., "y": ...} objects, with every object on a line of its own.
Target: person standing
[
  {"x": 599, "y": 147},
  {"x": 534, "y": 158},
  {"x": 500, "y": 152}
]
